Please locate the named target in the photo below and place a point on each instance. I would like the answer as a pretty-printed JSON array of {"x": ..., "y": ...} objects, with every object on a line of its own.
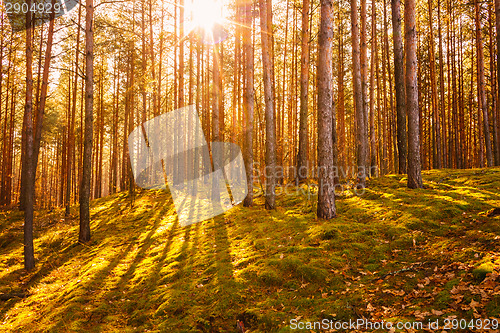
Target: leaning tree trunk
[
  {"x": 84, "y": 235},
  {"x": 414, "y": 166},
  {"x": 43, "y": 92},
  {"x": 302, "y": 167},
  {"x": 326, "y": 189},
  {"x": 269, "y": 112},
  {"x": 400, "y": 87}
]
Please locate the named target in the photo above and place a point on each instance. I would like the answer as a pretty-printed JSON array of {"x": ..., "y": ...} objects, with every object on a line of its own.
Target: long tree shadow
[{"x": 73, "y": 305}]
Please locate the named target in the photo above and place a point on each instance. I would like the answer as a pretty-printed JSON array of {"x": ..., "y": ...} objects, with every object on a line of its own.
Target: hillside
[{"x": 393, "y": 254}]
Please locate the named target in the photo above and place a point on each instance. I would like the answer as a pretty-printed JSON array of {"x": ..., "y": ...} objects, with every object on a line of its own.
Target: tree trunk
[
  {"x": 361, "y": 137},
  {"x": 84, "y": 235},
  {"x": 400, "y": 87},
  {"x": 414, "y": 166},
  {"x": 326, "y": 189},
  {"x": 269, "y": 113},
  {"x": 374, "y": 50},
  {"x": 248, "y": 98},
  {"x": 43, "y": 94},
  {"x": 481, "y": 86},
  {"x": 302, "y": 158},
  {"x": 71, "y": 136},
  {"x": 434, "y": 94},
  {"x": 497, "y": 26},
  {"x": 341, "y": 128},
  {"x": 29, "y": 165},
  {"x": 363, "y": 58}
]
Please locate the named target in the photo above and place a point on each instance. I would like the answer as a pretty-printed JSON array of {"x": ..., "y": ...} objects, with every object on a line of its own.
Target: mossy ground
[{"x": 393, "y": 253}]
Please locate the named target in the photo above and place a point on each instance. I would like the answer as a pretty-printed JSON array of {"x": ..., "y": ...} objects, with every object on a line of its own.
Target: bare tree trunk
[
  {"x": 364, "y": 85},
  {"x": 435, "y": 111},
  {"x": 215, "y": 122},
  {"x": 361, "y": 137},
  {"x": 494, "y": 120},
  {"x": 374, "y": 50},
  {"x": 84, "y": 235},
  {"x": 414, "y": 165},
  {"x": 302, "y": 158},
  {"x": 341, "y": 129},
  {"x": 269, "y": 113},
  {"x": 43, "y": 94},
  {"x": 71, "y": 136},
  {"x": 326, "y": 148},
  {"x": 248, "y": 98},
  {"x": 481, "y": 85},
  {"x": 497, "y": 26},
  {"x": 400, "y": 87},
  {"x": 29, "y": 165},
  {"x": 442, "y": 96}
]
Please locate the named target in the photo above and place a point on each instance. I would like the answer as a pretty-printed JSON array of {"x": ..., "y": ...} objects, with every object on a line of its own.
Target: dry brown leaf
[{"x": 369, "y": 307}]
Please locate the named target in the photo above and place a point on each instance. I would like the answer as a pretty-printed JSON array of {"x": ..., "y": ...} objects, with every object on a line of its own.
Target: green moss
[
  {"x": 481, "y": 271},
  {"x": 142, "y": 271}
]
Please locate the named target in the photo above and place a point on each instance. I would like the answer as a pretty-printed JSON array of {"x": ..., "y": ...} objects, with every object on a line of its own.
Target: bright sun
[{"x": 205, "y": 13}]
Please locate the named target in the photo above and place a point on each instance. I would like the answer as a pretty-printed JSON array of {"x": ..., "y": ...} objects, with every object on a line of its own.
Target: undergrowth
[{"x": 393, "y": 253}]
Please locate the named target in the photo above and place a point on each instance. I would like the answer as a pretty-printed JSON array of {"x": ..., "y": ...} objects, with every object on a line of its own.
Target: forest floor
[{"x": 393, "y": 254}]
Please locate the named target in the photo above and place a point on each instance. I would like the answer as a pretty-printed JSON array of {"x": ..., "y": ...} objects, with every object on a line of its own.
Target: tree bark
[
  {"x": 326, "y": 190},
  {"x": 248, "y": 98},
  {"x": 269, "y": 111},
  {"x": 414, "y": 165},
  {"x": 71, "y": 136},
  {"x": 84, "y": 235},
  {"x": 302, "y": 158},
  {"x": 400, "y": 87},
  {"x": 374, "y": 50},
  {"x": 29, "y": 165},
  {"x": 497, "y": 26},
  {"x": 364, "y": 85},
  {"x": 40, "y": 110},
  {"x": 361, "y": 137},
  {"x": 481, "y": 85},
  {"x": 434, "y": 96}
]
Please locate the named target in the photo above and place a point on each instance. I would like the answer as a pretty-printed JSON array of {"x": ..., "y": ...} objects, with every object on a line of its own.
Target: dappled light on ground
[{"x": 392, "y": 254}]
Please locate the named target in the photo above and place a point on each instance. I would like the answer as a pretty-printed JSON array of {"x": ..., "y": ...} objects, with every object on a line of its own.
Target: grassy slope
[{"x": 392, "y": 254}]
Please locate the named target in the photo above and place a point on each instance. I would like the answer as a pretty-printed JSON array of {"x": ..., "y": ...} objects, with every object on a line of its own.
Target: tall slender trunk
[
  {"x": 481, "y": 85},
  {"x": 71, "y": 136},
  {"x": 341, "y": 130},
  {"x": 497, "y": 30},
  {"x": 84, "y": 234},
  {"x": 358, "y": 97},
  {"x": 400, "y": 87},
  {"x": 414, "y": 165},
  {"x": 374, "y": 50},
  {"x": 40, "y": 109},
  {"x": 363, "y": 58},
  {"x": 442, "y": 96},
  {"x": 434, "y": 95},
  {"x": 248, "y": 98},
  {"x": 326, "y": 147},
  {"x": 269, "y": 112},
  {"x": 29, "y": 165},
  {"x": 302, "y": 157}
]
